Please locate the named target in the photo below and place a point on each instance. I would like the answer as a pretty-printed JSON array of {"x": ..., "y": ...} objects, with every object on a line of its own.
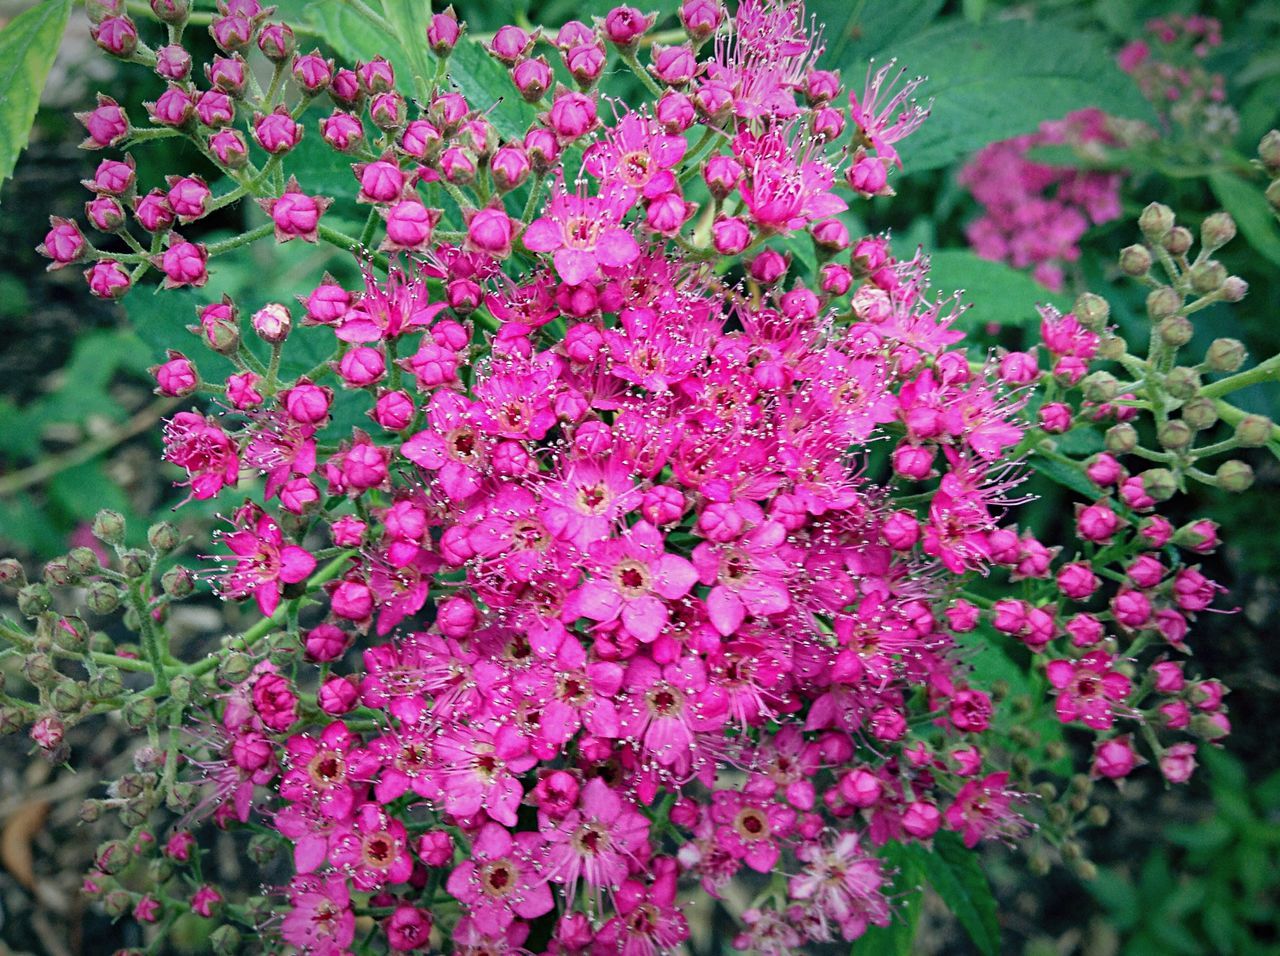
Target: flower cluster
[
  {"x": 1033, "y": 213},
  {"x": 677, "y": 523}
]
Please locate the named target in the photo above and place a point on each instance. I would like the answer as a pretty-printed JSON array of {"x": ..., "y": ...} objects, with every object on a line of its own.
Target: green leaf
[
  {"x": 979, "y": 78},
  {"x": 898, "y": 938},
  {"x": 999, "y": 293},
  {"x": 1064, "y": 475},
  {"x": 1250, "y": 210},
  {"x": 483, "y": 81},
  {"x": 955, "y": 874},
  {"x": 856, "y": 30},
  {"x": 28, "y": 46},
  {"x": 351, "y": 36}
]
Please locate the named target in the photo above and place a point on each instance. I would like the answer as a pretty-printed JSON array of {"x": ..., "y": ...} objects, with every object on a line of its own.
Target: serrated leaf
[
  {"x": 898, "y": 938},
  {"x": 1064, "y": 475},
  {"x": 28, "y": 46},
  {"x": 998, "y": 292},
  {"x": 979, "y": 77},
  {"x": 483, "y": 82},
  {"x": 955, "y": 874},
  {"x": 855, "y": 32},
  {"x": 351, "y": 36},
  {"x": 1251, "y": 212}
]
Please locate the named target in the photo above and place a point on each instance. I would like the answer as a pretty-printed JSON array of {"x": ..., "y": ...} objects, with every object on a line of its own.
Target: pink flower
[
  {"x": 843, "y": 884},
  {"x": 264, "y": 563},
  {"x": 373, "y": 849},
  {"x": 204, "y": 450},
  {"x": 597, "y": 841},
  {"x": 664, "y": 707},
  {"x": 1088, "y": 689},
  {"x": 583, "y": 233},
  {"x": 320, "y": 920},
  {"x": 478, "y": 770},
  {"x": 984, "y": 808},
  {"x": 746, "y": 576},
  {"x": 502, "y": 880}
]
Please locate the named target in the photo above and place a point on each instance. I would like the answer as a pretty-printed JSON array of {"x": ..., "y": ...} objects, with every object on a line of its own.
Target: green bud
[
  {"x": 1121, "y": 439},
  {"x": 117, "y": 903},
  {"x": 1208, "y": 276},
  {"x": 999, "y": 690},
  {"x": 182, "y": 797},
  {"x": 1206, "y": 729},
  {"x": 58, "y": 575},
  {"x": 1178, "y": 241},
  {"x": 1216, "y": 231},
  {"x": 1225, "y": 355},
  {"x": 1234, "y": 476},
  {"x": 1021, "y": 764},
  {"x": 135, "y": 814},
  {"x": 139, "y": 713},
  {"x": 1233, "y": 289},
  {"x": 90, "y": 811},
  {"x": 104, "y": 598},
  {"x": 1098, "y": 815},
  {"x": 178, "y": 582},
  {"x": 180, "y": 688},
  {"x": 1092, "y": 311},
  {"x": 82, "y": 561},
  {"x": 1039, "y": 863},
  {"x": 1174, "y": 435},
  {"x": 258, "y": 909},
  {"x": 1079, "y": 803},
  {"x": 1160, "y": 483},
  {"x": 39, "y": 670},
  {"x": 225, "y": 940},
  {"x": 72, "y": 635},
  {"x": 1100, "y": 387},
  {"x": 1135, "y": 260},
  {"x": 135, "y": 563},
  {"x": 1273, "y": 194},
  {"x": 263, "y": 848},
  {"x": 1269, "y": 151},
  {"x": 234, "y": 668},
  {"x": 1111, "y": 348},
  {"x": 1058, "y": 816},
  {"x": 128, "y": 786},
  {"x": 12, "y": 574},
  {"x": 67, "y": 696},
  {"x": 11, "y": 720},
  {"x": 112, "y": 857},
  {"x": 159, "y": 870},
  {"x": 1200, "y": 413},
  {"x": 1163, "y": 302},
  {"x": 1156, "y": 221},
  {"x": 163, "y": 537},
  {"x": 1254, "y": 431},
  {"x": 1086, "y": 870},
  {"x": 108, "y": 527},
  {"x": 1176, "y": 331},
  {"x": 34, "y": 600},
  {"x": 1055, "y": 750},
  {"x": 106, "y": 684},
  {"x": 1046, "y": 791},
  {"x": 1080, "y": 783},
  {"x": 1182, "y": 383}
]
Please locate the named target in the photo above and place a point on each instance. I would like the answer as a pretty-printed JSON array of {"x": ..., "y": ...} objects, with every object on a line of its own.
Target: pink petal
[
  {"x": 295, "y": 564},
  {"x": 597, "y": 601},
  {"x": 574, "y": 265},
  {"x": 543, "y": 235},
  {"x": 616, "y": 247},
  {"x": 645, "y": 618},
  {"x": 675, "y": 576},
  {"x": 726, "y": 610}
]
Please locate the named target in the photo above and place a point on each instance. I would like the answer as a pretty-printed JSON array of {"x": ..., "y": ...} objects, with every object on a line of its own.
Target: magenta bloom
[
  {"x": 373, "y": 849},
  {"x": 845, "y": 884},
  {"x": 881, "y": 124},
  {"x": 747, "y": 576},
  {"x": 264, "y": 563},
  {"x": 636, "y": 576},
  {"x": 638, "y": 155},
  {"x": 583, "y": 234},
  {"x": 1088, "y": 689},
  {"x": 664, "y": 707},
  {"x": 502, "y": 880},
  {"x": 596, "y": 841},
  {"x": 208, "y": 454},
  {"x": 320, "y": 920},
  {"x": 478, "y": 771}
]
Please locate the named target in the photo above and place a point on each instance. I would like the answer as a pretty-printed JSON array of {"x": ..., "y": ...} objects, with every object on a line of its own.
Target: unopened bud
[
  {"x": 1046, "y": 791},
  {"x": 1039, "y": 863},
  {"x": 1273, "y": 194},
  {"x": 104, "y": 597},
  {"x": 1216, "y": 231},
  {"x": 1208, "y": 276},
  {"x": 1254, "y": 431},
  {"x": 180, "y": 688},
  {"x": 1269, "y": 151},
  {"x": 1121, "y": 439},
  {"x": 1098, "y": 815},
  {"x": 1176, "y": 330},
  {"x": 38, "y": 669},
  {"x": 1225, "y": 355},
  {"x": 67, "y": 696},
  {"x": 225, "y": 940},
  {"x": 178, "y": 582},
  {"x": 1163, "y": 302},
  {"x": 262, "y": 848},
  {"x": 108, "y": 527},
  {"x": 1200, "y": 413},
  {"x": 91, "y": 811},
  {"x": 1234, "y": 476},
  {"x": 1160, "y": 483},
  {"x": 1233, "y": 289},
  {"x": 159, "y": 870},
  {"x": 1156, "y": 221},
  {"x": 162, "y": 537},
  {"x": 1111, "y": 348},
  {"x": 1174, "y": 434},
  {"x": 1206, "y": 728},
  {"x": 234, "y": 668},
  {"x": 139, "y": 713},
  {"x": 1178, "y": 242},
  {"x": 34, "y": 599},
  {"x": 57, "y": 574},
  {"x": 12, "y": 573},
  {"x": 117, "y": 903},
  {"x": 1086, "y": 870},
  {"x": 1092, "y": 311},
  {"x": 181, "y": 797},
  {"x": 135, "y": 563},
  {"x": 1101, "y": 387},
  {"x": 1135, "y": 261},
  {"x": 1182, "y": 383},
  {"x": 1055, "y": 750},
  {"x": 82, "y": 561},
  {"x": 106, "y": 684},
  {"x": 1058, "y": 816}
]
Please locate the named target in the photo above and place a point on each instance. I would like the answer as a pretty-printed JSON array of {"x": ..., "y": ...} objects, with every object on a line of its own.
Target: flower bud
[
  {"x": 178, "y": 582},
  {"x": 106, "y": 684},
  {"x": 1100, "y": 387},
  {"x": 1182, "y": 383},
  {"x": 1200, "y": 413},
  {"x": 135, "y": 563},
  {"x": 103, "y": 598},
  {"x": 1121, "y": 439},
  {"x": 1233, "y": 289},
  {"x": 108, "y": 527},
  {"x": 1135, "y": 261},
  {"x": 139, "y": 713},
  {"x": 1092, "y": 311},
  {"x": 1234, "y": 476},
  {"x": 1156, "y": 221},
  {"x": 58, "y": 575},
  {"x": 1269, "y": 151},
  {"x": 272, "y": 323},
  {"x": 1254, "y": 431},
  {"x": 1163, "y": 302},
  {"x": 1178, "y": 242},
  {"x": 1216, "y": 231},
  {"x": 1225, "y": 355},
  {"x": 1208, "y": 276},
  {"x": 67, "y": 696},
  {"x": 225, "y": 940},
  {"x": 1176, "y": 330},
  {"x": 234, "y": 668}
]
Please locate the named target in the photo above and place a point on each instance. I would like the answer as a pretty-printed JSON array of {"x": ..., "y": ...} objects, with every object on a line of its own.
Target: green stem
[
  {"x": 253, "y": 235},
  {"x": 642, "y": 73},
  {"x": 151, "y": 645},
  {"x": 1267, "y": 371}
]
